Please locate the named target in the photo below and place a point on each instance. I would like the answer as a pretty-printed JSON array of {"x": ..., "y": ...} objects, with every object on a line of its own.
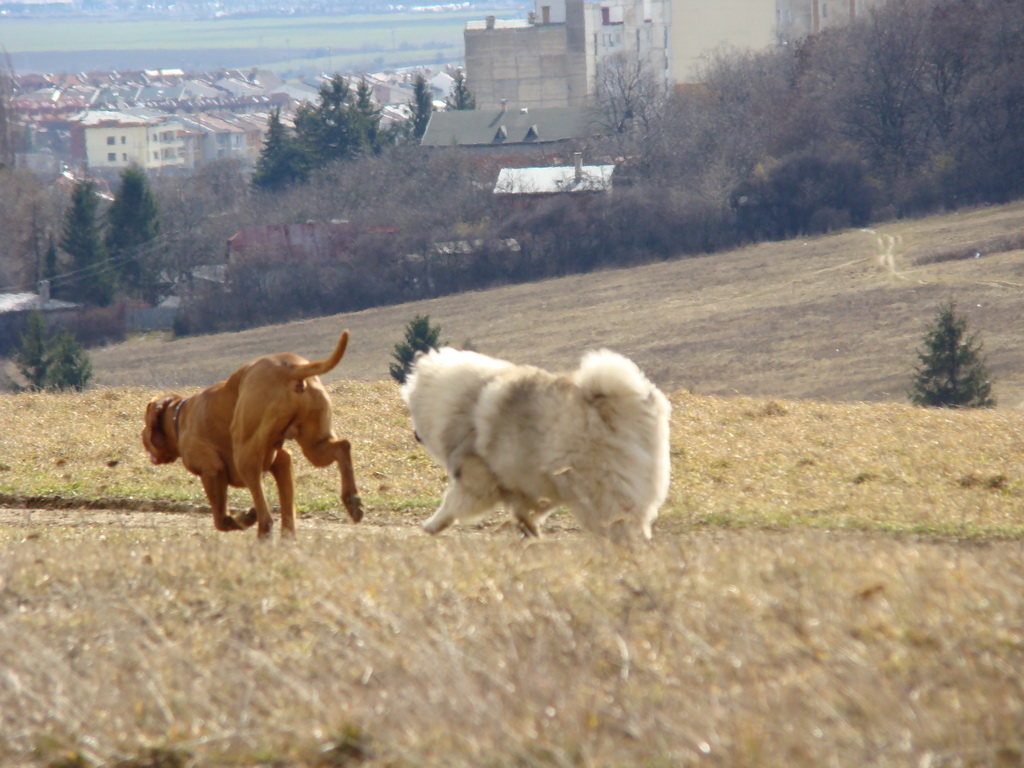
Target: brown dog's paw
[
  {"x": 354, "y": 505},
  {"x": 248, "y": 519}
]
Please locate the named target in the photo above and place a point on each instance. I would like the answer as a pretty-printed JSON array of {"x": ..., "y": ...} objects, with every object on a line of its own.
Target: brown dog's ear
[{"x": 153, "y": 437}]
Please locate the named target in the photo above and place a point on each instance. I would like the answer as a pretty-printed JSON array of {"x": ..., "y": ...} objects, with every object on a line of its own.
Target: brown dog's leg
[
  {"x": 330, "y": 450},
  {"x": 281, "y": 469},
  {"x": 251, "y": 476},
  {"x": 216, "y": 486}
]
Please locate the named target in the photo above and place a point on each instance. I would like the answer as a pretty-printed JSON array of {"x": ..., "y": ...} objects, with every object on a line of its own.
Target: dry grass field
[
  {"x": 833, "y": 581},
  {"x": 830, "y": 584}
]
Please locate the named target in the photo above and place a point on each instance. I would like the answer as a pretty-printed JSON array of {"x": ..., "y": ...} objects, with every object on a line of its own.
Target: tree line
[{"x": 917, "y": 107}]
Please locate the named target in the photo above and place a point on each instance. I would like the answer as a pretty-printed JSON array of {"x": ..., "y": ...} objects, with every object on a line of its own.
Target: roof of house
[
  {"x": 26, "y": 302},
  {"x": 108, "y": 118},
  {"x": 554, "y": 180},
  {"x": 483, "y": 24},
  {"x": 498, "y": 127}
]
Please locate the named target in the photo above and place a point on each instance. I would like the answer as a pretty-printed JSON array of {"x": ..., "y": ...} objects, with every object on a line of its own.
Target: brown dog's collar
[{"x": 176, "y": 416}]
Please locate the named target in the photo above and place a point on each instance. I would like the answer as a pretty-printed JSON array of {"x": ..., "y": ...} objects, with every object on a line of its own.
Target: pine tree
[
  {"x": 460, "y": 98},
  {"x": 90, "y": 278},
  {"x": 326, "y": 132},
  {"x": 422, "y": 106},
  {"x": 281, "y": 161},
  {"x": 952, "y": 371},
  {"x": 31, "y": 358},
  {"x": 366, "y": 118},
  {"x": 420, "y": 336},
  {"x": 133, "y": 223}
]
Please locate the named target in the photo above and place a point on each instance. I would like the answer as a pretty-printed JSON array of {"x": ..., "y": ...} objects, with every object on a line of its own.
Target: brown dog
[{"x": 234, "y": 431}]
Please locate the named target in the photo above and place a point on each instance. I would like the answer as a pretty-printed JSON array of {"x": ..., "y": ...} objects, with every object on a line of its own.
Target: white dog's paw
[{"x": 437, "y": 524}]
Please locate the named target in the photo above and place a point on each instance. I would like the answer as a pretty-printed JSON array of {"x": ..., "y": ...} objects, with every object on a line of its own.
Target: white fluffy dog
[{"x": 595, "y": 440}]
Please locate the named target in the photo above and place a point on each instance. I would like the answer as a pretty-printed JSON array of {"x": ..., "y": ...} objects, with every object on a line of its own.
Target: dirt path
[
  {"x": 200, "y": 523},
  {"x": 887, "y": 245},
  {"x": 391, "y": 524}
]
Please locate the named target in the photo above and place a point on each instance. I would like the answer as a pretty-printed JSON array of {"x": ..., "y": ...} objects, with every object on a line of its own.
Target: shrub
[
  {"x": 52, "y": 362},
  {"x": 420, "y": 336}
]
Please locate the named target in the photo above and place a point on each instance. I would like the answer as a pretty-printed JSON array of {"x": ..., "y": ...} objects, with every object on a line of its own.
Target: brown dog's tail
[{"x": 321, "y": 367}]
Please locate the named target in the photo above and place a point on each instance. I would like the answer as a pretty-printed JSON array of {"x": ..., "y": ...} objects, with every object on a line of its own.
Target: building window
[
  {"x": 112, "y": 157},
  {"x": 125, "y": 157},
  {"x": 124, "y": 139},
  {"x": 111, "y": 140}
]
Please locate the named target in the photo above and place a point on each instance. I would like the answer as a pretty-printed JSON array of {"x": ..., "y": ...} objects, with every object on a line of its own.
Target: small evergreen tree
[
  {"x": 420, "y": 336},
  {"x": 133, "y": 222},
  {"x": 422, "y": 106},
  {"x": 90, "y": 279},
  {"x": 461, "y": 98},
  {"x": 31, "y": 358},
  {"x": 68, "y": 365},
  {"x": 952, "y": 371}
]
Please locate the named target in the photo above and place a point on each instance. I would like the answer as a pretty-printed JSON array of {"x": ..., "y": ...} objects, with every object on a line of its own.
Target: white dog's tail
[
  {"x": 603, "y": 373},
  {"x": 637, "y": 415}
]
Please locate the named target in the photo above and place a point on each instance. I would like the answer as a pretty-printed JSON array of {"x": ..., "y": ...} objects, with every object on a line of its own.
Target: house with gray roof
[
  {"x": 511, "y": 131},
  {"x": 15, "y": 309}
]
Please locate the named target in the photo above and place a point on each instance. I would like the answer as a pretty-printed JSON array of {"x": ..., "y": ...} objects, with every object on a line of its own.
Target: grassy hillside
[
  {"x": 837, "y": 317},
  {"x": 831, "y": 583}
]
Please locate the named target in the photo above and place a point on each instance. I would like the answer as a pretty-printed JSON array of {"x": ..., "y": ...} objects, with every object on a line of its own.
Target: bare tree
[{"x": 629, "y": 97}]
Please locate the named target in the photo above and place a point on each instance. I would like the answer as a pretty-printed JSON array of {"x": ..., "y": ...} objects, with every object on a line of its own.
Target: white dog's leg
[
  {"x": 529, "y": 513},
  {"x": 459, "y": 503}
]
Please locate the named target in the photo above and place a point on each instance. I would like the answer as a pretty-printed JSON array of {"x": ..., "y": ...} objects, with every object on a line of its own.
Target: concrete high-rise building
[
  {"x": 799, "y": 18},
  {"x": 553, "y": 58}
]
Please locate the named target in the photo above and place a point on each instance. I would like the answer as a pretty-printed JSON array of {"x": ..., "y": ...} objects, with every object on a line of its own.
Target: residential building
[
  {"x": 799, "y": 18},
  {"x": 111, "y": 140},
  {"x": 555, "y": 180},
  {"x": 522, "y": 188},
  {"x": 532, "y": 63},
  {"x": 702, "y": 27},
  {"x": 15, "y": 309},
  {"x": 554, "y": 57},
  {"x": 108, "y": 139},
  {"x": 522, "y": 131}
]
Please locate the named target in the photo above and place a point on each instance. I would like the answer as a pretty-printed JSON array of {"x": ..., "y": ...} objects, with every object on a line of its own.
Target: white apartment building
[{"x": 111, "y": 140}]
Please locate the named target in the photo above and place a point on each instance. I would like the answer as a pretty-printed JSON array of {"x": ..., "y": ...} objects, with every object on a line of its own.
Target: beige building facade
[
  {"x": 702, "y": 27},
  {"x": 799, "y": 18},
  {"x": 116, "y": 140},
  {"x": 553, "y": 58},
  {"x": 540, "y": 62}
]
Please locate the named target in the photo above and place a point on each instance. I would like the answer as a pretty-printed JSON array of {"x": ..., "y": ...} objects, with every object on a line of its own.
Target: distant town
[{"x": 170, "y": 120}]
